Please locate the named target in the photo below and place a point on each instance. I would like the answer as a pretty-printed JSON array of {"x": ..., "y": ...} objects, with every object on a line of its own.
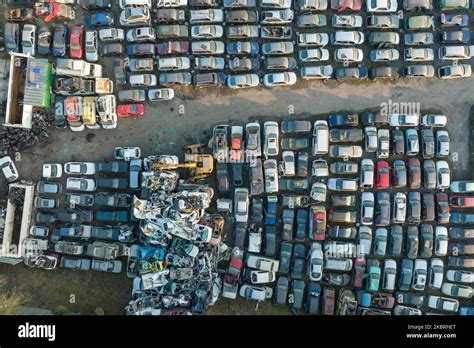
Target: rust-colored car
[
  {"x": 461, "y": 201},
  {"x": 346, "y": 5},
  {"x": 329, "y": 295},
  {"x": 76, "y": 38},
  {"x": 317, "y": 222},
  {"x": 359, "y": 270},
  {"x": 414, "y": 173}
]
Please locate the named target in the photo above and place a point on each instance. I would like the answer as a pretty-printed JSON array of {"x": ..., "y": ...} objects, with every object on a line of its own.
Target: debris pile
[
  {"x": 16, "y": 139},
  {"x": 175, "y": 266}
]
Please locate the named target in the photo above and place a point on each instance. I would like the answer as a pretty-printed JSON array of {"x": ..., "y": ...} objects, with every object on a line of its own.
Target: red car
[
  {"x": 359, "y": 271},
  {"x": 346, "y": 5},
  {"x": 317, "y": 222},
  {"x": 382, "y": 176},
  {"x": 232, "y": 275},
  {"x": 460, "y": 201},
  {"x": 329, "y": 295},
  {"x": 129, "y": 110},
  {"x": 414, "y": 173},
  {"x": 76, "y": 42},
  {"x": 442, "y": 207}
]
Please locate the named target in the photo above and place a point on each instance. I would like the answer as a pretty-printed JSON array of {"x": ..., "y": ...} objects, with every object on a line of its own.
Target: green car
[
  {"x": 293, "y": 184},
  {"x": 453, "y": 4},
  {"x": 373, "y": 279},
  {"x": 419, "y": 22}
]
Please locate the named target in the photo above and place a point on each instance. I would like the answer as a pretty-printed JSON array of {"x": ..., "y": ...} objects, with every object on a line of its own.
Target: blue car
[
  {"x": 100, "y": 19},
  {"x": 270, "y": 213},
  {"x": 466, "y": 311},
  {"x": 59, "y": 41},
  {"x": 242, "y": 47}
]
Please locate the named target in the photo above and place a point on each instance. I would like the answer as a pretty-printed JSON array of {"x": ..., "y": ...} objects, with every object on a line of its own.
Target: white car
[
  {"x": 460, "y": 276},
  {"x": 313, "y": 39},
  {"x": 206, "y": 16},
  {"x": 399, "y": 208},
  {"x": 141, "y": 34},
  {"x": 347, "y": 38},
  {"x": 384, "y": 55},
  {"x": 160, "y": 94},
  {"x": 371, "y": 143},
  {"x": 9, "y": 168},
  {"x": 270, "y": 142},
  {"x": 401, "y": 120},
  {"x": 404, "y": 310},
  {"x": 207, "y": 31},
  {"x": 443, "y": 176},
  {"x": 441, "y": 241},
  {"x": 80, "y": 184},
  {"x": 271, "y": 176},
  {"x": 457, "y": 290},
  {"x": 434, "y": 120},
  {"x": 366, "y": 173},
  {"x": 318, "y": 192},
  {"x": 111, "y": 34},
  {"x": 313, "y": 55},
  {"x": 83, "y": 168},
  {"x": 436, "y": 273},
  {"x": 443, "y": 303},
  {"x": 415, "y": 54},
  {"x": 367, "y": 208},
  {"x": 28, "y": 39},
  {"x": 262, "y": 277},
  {"x": 255, "y": 241},
  {"x": 364, "y": 240},
  {"x": 127, "y": 153},
  {"x": 287, "y": 166},
  {"x": 143, "y": 80},
  {"x": 91, "y": 46},
  {"x": 389, "y": 275},
  {"x": 242, "y": 81},
  {"x": 241, "y": 204},
  {"x": 54, "y": 170},
  {"x": 135, "y": 16},
  {"x": 349, "y": 55},
  {"x": 171, "y": 3},
  {"x": 174, "y": 63},
  {"x": 320, "y": 72},
  {"x": 340, "y": 184},
  {"x": 420, "y": 272},
  {"x": 253, "y": 292},
  {"x": 275, "y": 3},
  {"x": 382, "y": 5},
  {"x": 320, "y": 168},
  {"x": 253, "y": 139},
  {"x": 315, "y": 262},
  {"x": 286, "y": 78}
]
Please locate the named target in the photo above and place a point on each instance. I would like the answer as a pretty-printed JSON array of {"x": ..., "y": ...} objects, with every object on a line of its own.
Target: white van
[
  {"x": 454, "y": 52},
  {"x": 133, "y": 3},
  {"x": 320, "y": 144}
]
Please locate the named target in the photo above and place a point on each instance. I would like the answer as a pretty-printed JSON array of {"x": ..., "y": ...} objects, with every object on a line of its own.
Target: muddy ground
[{"x": 168, "y": 126}]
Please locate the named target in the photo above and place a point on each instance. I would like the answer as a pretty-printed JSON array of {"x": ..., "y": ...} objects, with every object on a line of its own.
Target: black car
[
  {"x": 20, "y": 3},
  {"x": 428, "y": 207},
  {"x": 297, "y": 264},
  {"x": 398, "y": 142},
  {"x": 239, "y": 65},
  {"x": 75, "y": 216},
  {"x": 60, "y": 41},
  {"x": 338, "y": 231},
  {"x": 257, "y": 210},
  {"x": 338, "y": 120},
  {"x": 222, "y": 177},
  {"x": 240, "y": 231},
  {"x": 59, "y": 120},
  {"x": 414, "y": 207},
  {"x": 237, "y": 174},
  {"x": 412, "y": 242},
  {"x": 117, "y": 200},
  {"x": 301, "y": 224},
  {"x": 91, "y": 5},
  {"x": 142, "y": 49},
  {"x": 112, "y": 49},
  {"x": 270, "y": 240},
  {"x": 280, "y": 63},
  {"x": 12, "y": 37},
  {"x": 111, "y": 167},
  {"x": 281, "y": 291},
  {"x": 302, "y": 164},
  {"x": 209, "y": 79},
  {"x": 313, "y": 299},
  {"x": 427, "y": 143},
  {"x": 370, "y": 119},
  {"x": 426, "y": 240},
  {"x": 112, "y": 183},
  {"x": 395, "y": 240},
  {"x": 44, "y": 41},
  {"x": 382, "y": 209}
]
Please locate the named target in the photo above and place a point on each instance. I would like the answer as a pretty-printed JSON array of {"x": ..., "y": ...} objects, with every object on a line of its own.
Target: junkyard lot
[{"x": 167, "y": 127}]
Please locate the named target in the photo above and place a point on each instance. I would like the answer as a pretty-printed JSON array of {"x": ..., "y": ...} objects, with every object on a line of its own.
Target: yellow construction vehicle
[{"x": 199, "y": 165}]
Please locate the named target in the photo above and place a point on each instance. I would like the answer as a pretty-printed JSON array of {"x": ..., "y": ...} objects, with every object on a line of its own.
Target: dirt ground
[{"x": 167, "y": 127}]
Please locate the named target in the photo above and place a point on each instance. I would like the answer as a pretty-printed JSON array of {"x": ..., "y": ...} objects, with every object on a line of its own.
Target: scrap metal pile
[
  {"x": 176, "y": 263},
  {"x": 16, "y": 139}
]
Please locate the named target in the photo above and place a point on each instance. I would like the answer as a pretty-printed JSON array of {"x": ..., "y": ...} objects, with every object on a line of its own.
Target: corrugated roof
[{"x": 38, "y": 83}]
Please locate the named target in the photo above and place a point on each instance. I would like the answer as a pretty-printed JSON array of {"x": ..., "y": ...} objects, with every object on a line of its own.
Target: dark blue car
[
  {"x": 59, "y": 41},
  {"x": 99, "y": 19},
  {"x": 242, "y": 47},
  {"x": 270, "y": 213}
]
